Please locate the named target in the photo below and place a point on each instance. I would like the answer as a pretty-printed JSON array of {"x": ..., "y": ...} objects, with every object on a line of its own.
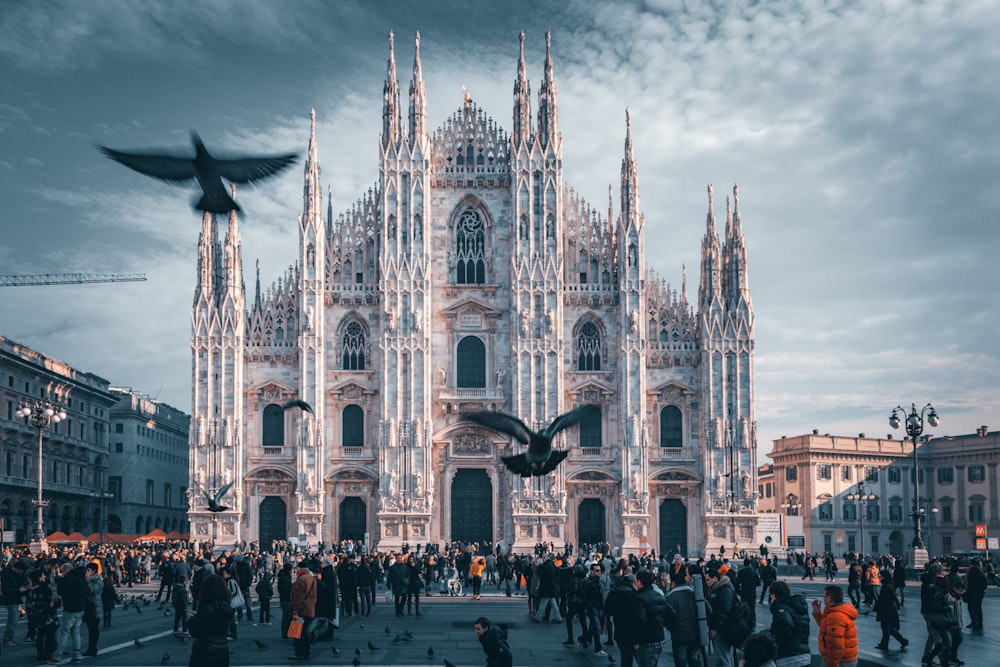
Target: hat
[
  {"x": 630, "y": 578},
  {"x": 723, "y": 569},
  {"x": 303, "y": 565}
]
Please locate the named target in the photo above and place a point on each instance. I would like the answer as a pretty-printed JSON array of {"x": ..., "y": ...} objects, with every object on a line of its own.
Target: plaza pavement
[{"x": 446, "y": 626}]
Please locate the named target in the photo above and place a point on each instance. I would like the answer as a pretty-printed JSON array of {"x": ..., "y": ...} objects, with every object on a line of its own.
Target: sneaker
[
  {"x": 602, "y": 653},
  {"x": 76, "y": 661},
  {"x": 52, "y": 661},
  {"x": 11, "y": 644}
]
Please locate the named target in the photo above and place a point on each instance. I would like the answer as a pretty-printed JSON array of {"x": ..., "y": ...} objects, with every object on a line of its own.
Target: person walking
[
  {"x": 854, "y": 576},
  {"x": 303, "y": 605},
  {"x": 414, "y": 583},
  {"x": 747, "y": 581},
  {"x": 722, "y": 599},
  {"x": 650, "y": 613},
  {"x": 108, "y": 597},
  {"x": 887, "y": 615},
  {"x": 235, "y": 599},
  {"x": 179, "y": 601},
  {"x": 397, "y": 579},
  {"x": 838, "y": 633},
  {"x": 209, "y": 626},
  {"x": 95, "y": 588},
  {"x": 899, "y": 581},
  {"x": 547, "y": 591},
  {"x": 42, "y": 604},
  {"x": 493, "y": 639},
  {"x": 975, "y": 591},
  {"x": 682, "y": 622},
  {"x": 13, "y": 586},
  {"x": 789, "y": 626},
  {"x": 620, "y": 607},
  {"x": 476, "y": 569},
  {"x": 768, "y": 575}
]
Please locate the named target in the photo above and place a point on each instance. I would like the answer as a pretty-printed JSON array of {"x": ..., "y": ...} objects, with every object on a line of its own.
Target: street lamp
[
  {"x": 915, "y": 427},
  {"x": 40, "y": 414},
  {"x": 863, "y": 498},
  {"x": 791, "y": 505}
]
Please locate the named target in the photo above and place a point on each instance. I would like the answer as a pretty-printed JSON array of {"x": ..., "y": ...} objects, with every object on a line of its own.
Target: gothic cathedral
[{"x": 471, "y": 277}]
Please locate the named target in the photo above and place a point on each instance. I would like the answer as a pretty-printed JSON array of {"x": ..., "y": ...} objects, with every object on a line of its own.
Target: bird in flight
[
  {"x": 213, "y": 503},
  {"x": 298, "y": 403},
  {"x": 208, "y": 170},
  {"x": 540, "y": 459}
]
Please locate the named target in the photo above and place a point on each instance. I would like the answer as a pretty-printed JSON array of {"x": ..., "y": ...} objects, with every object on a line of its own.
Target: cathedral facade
[{"x": 470, "y": 276}]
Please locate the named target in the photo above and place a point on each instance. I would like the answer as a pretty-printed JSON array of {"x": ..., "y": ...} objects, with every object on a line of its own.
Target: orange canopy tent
[
  {"x": 57, "y": 536},
  {"x": 76, "y": 537},
  {"x": 154, "y": 535},
  {"x": 177, "y": 535}
]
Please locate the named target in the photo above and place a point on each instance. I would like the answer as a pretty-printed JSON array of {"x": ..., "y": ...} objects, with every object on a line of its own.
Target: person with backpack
[
  {"x": 493, "y": 639},
  {"x": 722, "y": 623},
  {"x": 649, "y": 616},
  {"x": 264, "y": 591},
  {"x": 789, "y": 626}
]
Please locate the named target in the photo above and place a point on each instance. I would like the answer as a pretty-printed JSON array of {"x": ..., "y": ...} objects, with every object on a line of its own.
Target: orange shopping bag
[{"x": 295, "y": 628}]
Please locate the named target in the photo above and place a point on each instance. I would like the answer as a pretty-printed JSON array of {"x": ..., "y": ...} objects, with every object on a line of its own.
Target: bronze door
[
  {"x": 273, "y": 516},
  {"x": 590, "y": 522},
  {"x": 471, "y": 506},
  {"x": 353, "y": 517},
  {"x": 673, "y": 528}
]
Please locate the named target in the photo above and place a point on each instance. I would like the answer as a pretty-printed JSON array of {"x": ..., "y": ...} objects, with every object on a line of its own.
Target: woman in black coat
[
  {"x": 210, "y": 625},
  {"x": 887, "y": 614},
  {"x": 899, "y": 580},
  {"x": 975, "y": 591}
]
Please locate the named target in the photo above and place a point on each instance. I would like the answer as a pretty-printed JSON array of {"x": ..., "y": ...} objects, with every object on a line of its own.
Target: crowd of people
[{"x": 637, "y": 602}]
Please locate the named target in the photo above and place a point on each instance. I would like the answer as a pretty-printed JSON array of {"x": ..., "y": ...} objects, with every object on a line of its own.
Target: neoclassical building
[{"x": 470, "y": 276}]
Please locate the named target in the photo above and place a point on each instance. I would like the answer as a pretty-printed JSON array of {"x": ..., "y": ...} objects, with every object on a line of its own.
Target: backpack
[{"x": 740, "y": 624}]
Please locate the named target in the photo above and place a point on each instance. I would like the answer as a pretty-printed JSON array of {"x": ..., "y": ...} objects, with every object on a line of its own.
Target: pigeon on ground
[
  {"x": 213, "y": 503},
  {"x": 430, "y": 652},
  {"x": 387, "y": 631},
  {"x": 447, "y": 663},
  {"x": 356, "y": 662},
  {"x": 540, "y": 459},
  {"x": 357, "y": 653},
  {"x": 298, "y": 403},
  {"x": 138, "y": 609},
  {"x": 336, "y": 651},
  {"x": 206, "y": 169},
  {"x": 396, "y": 639},
  {"x": 137, "y": 643},
  {"x": 165, "y": 659},
  {"x": 261, "y": 645},
  {"x": 372, "y": 647}
]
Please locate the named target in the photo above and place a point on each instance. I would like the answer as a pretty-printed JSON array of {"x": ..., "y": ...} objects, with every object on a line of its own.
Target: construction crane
[{"x": 69, "y": 279}]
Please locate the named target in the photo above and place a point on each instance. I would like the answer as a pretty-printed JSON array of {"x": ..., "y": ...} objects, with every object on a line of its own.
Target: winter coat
[
  {"x": 887, "y": 607},
  {"x": 838, "y": 634},
  {"x": 747, "y": 582},
  {"x": 650, "y": 612},
  {"x": 621, "y": 606},
  {"x": 11, "y": 581},
  {"x": 546, "y": 575},
  {"x": 303, "y": 597},
  {"x": 73, "y": 590},
  {"x": 684, "y": 624},
  {"x": 496, "y": 648},
  {"x": 284, "y": 586},
  {"x": 210, "y": 627},
  {"x": 790, "y": 625},
  {"x": 723, "y": 599}
]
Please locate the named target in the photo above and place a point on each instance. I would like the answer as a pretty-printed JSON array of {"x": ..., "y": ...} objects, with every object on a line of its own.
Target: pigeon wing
[
  {"x": 564, "y": 421},
  {"x": 555, "y": 458},
  {"x": 249, "y": 169},
  {"x": 517, "y": 464},
  {"x": 163, "y": 167},
  {"x": 223, "y": 491},
  {"x": 503, "y": 423},
  {"x": 298, "y": 403}
]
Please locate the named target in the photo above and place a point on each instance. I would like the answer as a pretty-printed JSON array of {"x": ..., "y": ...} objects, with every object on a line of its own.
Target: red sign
[
  {"x": 981, "y": 544},
  {"x": 980, "y": 530}
]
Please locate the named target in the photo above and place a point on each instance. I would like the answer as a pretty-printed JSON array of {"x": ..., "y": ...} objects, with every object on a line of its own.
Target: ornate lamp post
[
  {"x": 914, "y": 428},
  {"x": 40, "y": 414},
  {"x": 863, "y": 497},
  {"x": 791, "y": 505}
]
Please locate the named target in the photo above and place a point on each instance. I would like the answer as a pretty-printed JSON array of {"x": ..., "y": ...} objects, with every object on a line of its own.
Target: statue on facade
[
  {"x": 392, "y": 483},
  {"x": 501, "y": 374},
  {"x": 418, "y": 484}
]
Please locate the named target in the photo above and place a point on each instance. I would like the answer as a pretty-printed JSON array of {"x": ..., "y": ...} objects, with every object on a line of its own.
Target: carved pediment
[
  {"x": 592, "y": 476},
  {"x": 272, "y": 391},
  {"x": 467, "y": 310},
  {"x": 591, "y": 391},
  {"x": 352, "y": 389},
  {"x": 270, "y": 475},
  {"x": 353, "y": 474},
  {"x": 672, "y": 392},
  {"x": 675, "y": 476}
]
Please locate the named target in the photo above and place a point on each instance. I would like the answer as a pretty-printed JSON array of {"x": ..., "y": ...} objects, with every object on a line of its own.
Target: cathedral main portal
[
  {"x": 353, "y": 519},
  {"x": 591, "y": 527},
  {"x": 471, "y": 506},
  {"x": 273, "y": 517},
  {"x": 673, "y": 528}
]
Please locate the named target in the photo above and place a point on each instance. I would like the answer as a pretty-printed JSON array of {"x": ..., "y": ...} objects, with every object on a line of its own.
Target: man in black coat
[
  {"x": 768, "y": 575},
  {"x": 722, "y": 598},
  {"x": 285, "y": 597},
  {"x": 790, "y": 624},
  {"x": 620, "y": 607},
  {"x": 547, "y": 591},
  {"x": 72, "y": 588},
  {"x": 650, "y": 614},
  {"x": 747, "y": 581},
  {"x": 682, "y": 621},
  {"x": 13, "y": 585}
]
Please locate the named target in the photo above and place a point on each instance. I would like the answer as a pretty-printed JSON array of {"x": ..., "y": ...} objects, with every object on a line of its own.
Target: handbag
[
  {"x": 236, "y": 600},
  {"x": 295, "y": 627}
]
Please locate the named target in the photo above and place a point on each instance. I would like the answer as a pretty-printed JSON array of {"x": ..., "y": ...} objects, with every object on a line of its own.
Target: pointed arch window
[
  {"x": 470, "y": 249},
  {"x": 588, "y": 348},
  {"x": 671, "y": 427},
  {"x": 471, "y": 362},
  {"x": 353, "y": 426},
  {"x": 273, "y": 430},
  {"x": 354, "y": 347},
  {"x": 591, "y": 427}
]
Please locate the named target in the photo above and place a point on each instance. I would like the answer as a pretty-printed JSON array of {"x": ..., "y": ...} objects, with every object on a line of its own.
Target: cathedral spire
[
  {"x": 522, "y": 102},
  {"x": 630, "y": 179},
  {"x": 736, "y": 289},
  {"x": 312, "y": 193},
  {"x": 418, "y": 102},
  {"x": 233, "y": 253},
  {"x": 257, "y": 307},
  {"x": 709, "y": 288},
  {"x": 390, "y": 102},
  {"x": 548, "y": 113}
]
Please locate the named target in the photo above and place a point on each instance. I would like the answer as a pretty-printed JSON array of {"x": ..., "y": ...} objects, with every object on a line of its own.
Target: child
[
  {"x": 265, "y": 592},
  {"x": 108, "y": 597},
  {"x": 179, "y": 598}
]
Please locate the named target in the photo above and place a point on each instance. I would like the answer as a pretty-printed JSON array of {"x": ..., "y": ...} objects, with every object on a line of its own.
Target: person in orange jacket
[
  {"x": 476, "y": 572},
  {"x": 838, "y": 634}
]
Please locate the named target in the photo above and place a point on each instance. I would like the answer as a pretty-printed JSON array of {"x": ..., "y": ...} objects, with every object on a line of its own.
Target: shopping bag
[{"x": 295, "y": 627}]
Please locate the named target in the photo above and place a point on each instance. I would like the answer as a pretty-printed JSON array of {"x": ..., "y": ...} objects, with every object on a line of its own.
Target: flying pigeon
[
  {"x": 298, "y": 403},
  {"x": 213, "y": 503},
  {"x": 206, "y": 169},
  {"x": 540, "y": 459}
]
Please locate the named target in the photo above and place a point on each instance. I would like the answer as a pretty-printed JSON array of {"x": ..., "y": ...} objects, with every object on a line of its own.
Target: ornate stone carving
[{"x": 471, "y": 443}]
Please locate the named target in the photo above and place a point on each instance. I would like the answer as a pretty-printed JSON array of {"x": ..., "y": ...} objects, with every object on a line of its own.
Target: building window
[
  {"x": 353, "y": 434},
  {"x": 119, "y": 428},
  {"x": 851, "y": 542},
  {"x": 828, "y": 542},
  {"x": 977, "y": 474},
  {"x": 115, "y": 488},
  {"x": 976, "y": 512},
  {"x": 872, "y": 512},
  {"x": 150, "y": 492},
  {"x": 588, "y": 343},
  {"x": 895, "y": 512},
  {"x": 671, "y": 427},
  {"x": 894, "y": 474},
  {"x": 850, "y": 512},
  {"x": 873, "y": 548},
  {"x": 946, "y": 544},
  {"x": 354, "y": 347},
  {"x": 791, "y": 474},
  {"x": 845, "y": 473},
  {"x": 945, "y": 475},
  {"x": 119, "y": 447},
  {"x": 826, "y": 511},
  {"x": 871, "y": 474},
  {"x": 920, "y": 476},
  {"x": 273, "y": 430},
  {"x": 470, "y": 364},
  {"x": 470, "y": 250},
  {"x": 590, "y": 427},
  {"x": 824, "y": 471},
  {"x": 55, "y": 472},
  {"x": 167, "y": 490},
  {"x": 24, "y": 466},
  {"x": 946, "y": 514}
]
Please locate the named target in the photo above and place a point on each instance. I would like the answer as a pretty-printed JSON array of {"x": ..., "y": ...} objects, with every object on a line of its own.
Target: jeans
[
  {"x": 723, "y": 650},
  {"x": 686, "y": 654},
  {"x": 543, "y": 604},
  {"x": 366, "y": 600},
  {"x": 69, "y": 630},
  {"x": 648, "y": 654},
  {"x": 12, "y": 615}
]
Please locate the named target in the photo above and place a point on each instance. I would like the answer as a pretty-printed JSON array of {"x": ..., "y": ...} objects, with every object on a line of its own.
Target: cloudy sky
[{"x": 863, "y": 136}]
